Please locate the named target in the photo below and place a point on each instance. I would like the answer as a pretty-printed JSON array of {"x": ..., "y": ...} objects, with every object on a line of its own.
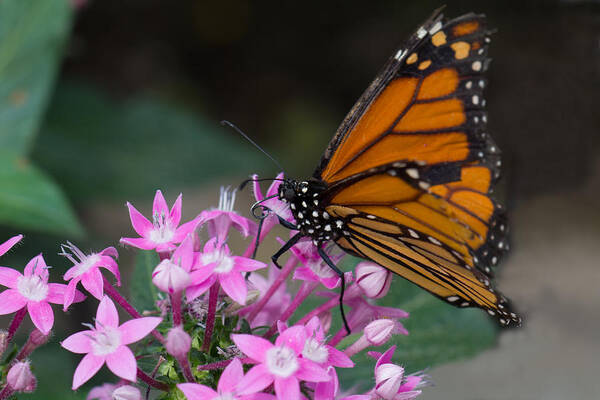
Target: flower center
[
  {"x": 315, "y": 351},
  {"x": 86, "y": 264},
  {"x": 281, "y": 361},
  {"x": 106, "y": 341},
  {"x": 224, "y": 263},
  {"x": 162, "y": 232},
  {"x": 32, "y": 288}
]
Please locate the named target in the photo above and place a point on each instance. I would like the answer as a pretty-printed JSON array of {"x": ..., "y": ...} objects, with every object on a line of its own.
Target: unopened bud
[
  {"x": 178, "y": 342},
  {"x": 20, "y": 378},
  {"x": 380, "y": 331},
  {"x": 373, "y": 279},
  {"x": 126, "y": 392},
  {"x": 170, "y": 277}
]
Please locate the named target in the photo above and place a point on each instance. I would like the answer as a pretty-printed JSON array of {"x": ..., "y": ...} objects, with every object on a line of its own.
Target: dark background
[{"x": 144, "y": 84}]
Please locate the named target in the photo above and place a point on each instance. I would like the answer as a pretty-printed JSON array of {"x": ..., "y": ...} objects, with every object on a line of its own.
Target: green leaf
[
  {"x": 128, "y": 149},
  {"x": 29, "y": 199},
  {"x": 142, "y": 290},
  {"x": 33, "y": 35}
]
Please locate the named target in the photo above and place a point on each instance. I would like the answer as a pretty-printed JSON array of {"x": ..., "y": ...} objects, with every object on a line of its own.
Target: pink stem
[
  {"x": 6, "y": 392},
  {"x": 116, "y": 296},
  {"x": 15, "y": 323},
  {"x": 329, "y": 304},
  {"x": 285, "y": 272},
  {"x": 187, "y": 370},
  {"x": 36, "y": 339},
  {"x": 305, "y": 290},
  {"x": 221, "y": 364},
  {"x": 151, "y": 381},
  {"x": 176, "y": 308},
  {"x": 213, "y": 296}
]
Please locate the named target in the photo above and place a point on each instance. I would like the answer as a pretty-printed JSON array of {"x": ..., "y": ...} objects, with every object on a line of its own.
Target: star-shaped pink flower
[
  {"x": 33, "y": 291},
  {"x": 106, "y": 342},
  {"x": 280, "y": 364},
  {"x": 164, "y": 232},
  {"x": 86, "y": 269},
  {"x": 227, "y": 388}
]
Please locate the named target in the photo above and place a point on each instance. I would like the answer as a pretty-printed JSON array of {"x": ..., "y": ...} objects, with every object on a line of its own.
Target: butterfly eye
[{"x": 289, "y": 194}]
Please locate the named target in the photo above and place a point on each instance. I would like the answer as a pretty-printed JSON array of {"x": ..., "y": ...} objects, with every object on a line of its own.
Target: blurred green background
[{"x": 103, "y": 102}]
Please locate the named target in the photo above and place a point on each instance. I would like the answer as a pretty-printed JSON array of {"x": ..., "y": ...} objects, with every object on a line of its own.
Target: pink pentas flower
[
  {"x": 280, "y": 364},
  {"x": 164, "y": 232},
  {"x": 32, "y": 290},
  {"x": 103, "y": 392},
  {"x": 172, "y": 275},
  {"x": 6, "y": 246},
  {"x": 317, "y": 350},
  {"x": 86, "y": 269},
  {"x": 106, "y": 342},
  {"x": 314, "y": 269},
  {"x": 272, "y": 202},
  {"x": 228, "y": 388},
  {"x": 216, "y": 264},
  {"x": 220, "y": 219}
]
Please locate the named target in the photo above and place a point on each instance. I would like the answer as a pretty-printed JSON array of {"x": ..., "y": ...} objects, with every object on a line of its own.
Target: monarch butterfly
[{"x": 405, "y": 181}]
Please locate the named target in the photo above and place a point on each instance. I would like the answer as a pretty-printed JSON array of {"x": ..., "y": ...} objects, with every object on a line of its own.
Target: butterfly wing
[{"x": 410, "y": 169}]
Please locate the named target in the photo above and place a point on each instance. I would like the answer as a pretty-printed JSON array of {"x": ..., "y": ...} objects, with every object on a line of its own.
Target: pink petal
[
  {"x": 9, "y": 277},
  {"x": 247, "y": 264},
  {"x": 235, "y": 286},
  {"x": 255, "y": 380},
  {"x": 184, "y": 255},
  {"x": 110, "y": 252},
  {"x": 202, "y": 273},
  {"x": 338, "y": 358},
  {"x": 194, "y": 391},
  {"x": 79, "y": 342},
  {"x": 140, "y": 243},
  {"x": 196, "y": 290},
  {"x": 4, "y": 247},
  {"x": 140, "y": 224},
  {"x": 41, "y": 315},
  {"x": 136, "y": 329},
  {"x": 309, "y": 371},
  {"x": 293, "y": 337},
  {"x": 10, "y": 301},
  {"x": 410, "y": 383},
  {"x": 175, "y": 215},
  {"x": 274, "y": 188},
  {"x": 386, "y": 358},
  {"x": 184, "y": 230},
  {"x": 253, "y": 346},
  {"x": 122, "y": 363},
  {"x": 69, "y": 294},
  {"x": 37, "y": 266},
  {"x": 327, "y": 390},
  {"x": 107, "y": 314},
  {"x": 111, "y": 265},
  {"x": 242, "y": 224},
  {"x": 288, "y": 388},
  {"x": 70, "y": 272},
  {"x": 160, "y": 207},
  {"x": 89, "y": 365},
  {"x": 231, "y": 376},
  {"x": 57, "y": 293},
  {"x": 93, "y": 283},
  {"x": 256, "y": 188}
]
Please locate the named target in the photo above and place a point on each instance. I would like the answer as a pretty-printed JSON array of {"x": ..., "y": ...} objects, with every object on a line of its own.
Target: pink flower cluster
[{"x": 209, "y": 290}]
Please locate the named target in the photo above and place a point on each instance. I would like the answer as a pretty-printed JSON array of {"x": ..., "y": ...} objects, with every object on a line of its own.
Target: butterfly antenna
[{"x": 238, "y": 130}]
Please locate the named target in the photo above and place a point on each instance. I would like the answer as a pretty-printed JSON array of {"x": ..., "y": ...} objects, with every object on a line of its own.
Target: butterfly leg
[
  {"x": 285, "y": 248},
  {"x": 339, "y": 272}
]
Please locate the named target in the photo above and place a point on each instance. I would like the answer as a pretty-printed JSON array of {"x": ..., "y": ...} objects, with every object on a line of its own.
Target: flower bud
[
  {"x": 20, "y": 378},
  {"x": 178, "y": 342},
  {"x": 379, "y": 331},
  {"x": 388, "y": 379},
  {"x": 373, "y": 279},
  {"x": 170, "y": 277},
  {"x": 126, "y": 392}
]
